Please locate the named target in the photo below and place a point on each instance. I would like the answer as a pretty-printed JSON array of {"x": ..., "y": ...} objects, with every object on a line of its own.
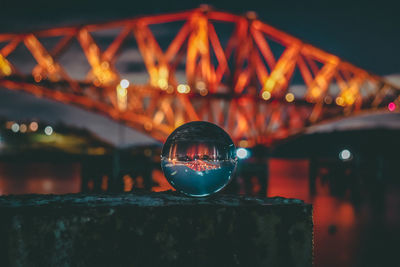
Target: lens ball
[{"x": 198, "y": 159}]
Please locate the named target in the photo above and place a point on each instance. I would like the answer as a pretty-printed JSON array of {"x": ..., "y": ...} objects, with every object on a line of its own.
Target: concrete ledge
[{"x": 154, "y": 229}]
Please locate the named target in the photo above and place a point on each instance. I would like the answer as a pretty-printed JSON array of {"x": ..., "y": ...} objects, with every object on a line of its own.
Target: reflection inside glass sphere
[{"x": 198, "y": 159}]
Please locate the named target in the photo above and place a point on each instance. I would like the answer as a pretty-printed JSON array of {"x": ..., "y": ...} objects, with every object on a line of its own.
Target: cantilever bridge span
[{"x": 202, "y": 64}]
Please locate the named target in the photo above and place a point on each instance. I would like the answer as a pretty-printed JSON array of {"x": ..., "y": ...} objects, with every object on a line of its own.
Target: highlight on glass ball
[{"x": 198, "y": 159}]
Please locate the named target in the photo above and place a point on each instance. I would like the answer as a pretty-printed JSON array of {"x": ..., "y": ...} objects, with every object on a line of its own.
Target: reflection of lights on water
[
  {"x": 15, "y": 127},
  {"x": 48, "y": 130},
  {"x": 200, "y": 165},
  {"x": 391, "y": 106},
  {"x": 242, "y": 153},
  {"x": 104, "y": 183},
  {"x": 345, "y": 155},
  {"x": 47, "y": 185},
  {"x": 147, "y": 152},
  {"x": 33, "y": 126},
  {"x": 128, "y": 183}
]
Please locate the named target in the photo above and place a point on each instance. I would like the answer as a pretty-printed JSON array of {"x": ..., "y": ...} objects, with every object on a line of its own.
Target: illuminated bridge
[{"x": 258, "y": 83}]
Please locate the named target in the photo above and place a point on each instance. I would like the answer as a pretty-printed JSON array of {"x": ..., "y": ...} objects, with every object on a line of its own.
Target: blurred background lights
[
  {"x": 183, "y": 88},
  {"x": 391, "y": 106},
  {"x": 328, "y": 99},
  {"x": 266, "y": 95},
  {"x": 124, "y": 83},
  {"x": 23, "y": 128},
  {"x": 33, "y": 126},
  {"x": 48, "y": 130},
  {"x": 242, "y": 153},
  {"x": 9, "y": 124},
  {"x": 203, "y": 92},
  {"x": 200, "y": 85},
  {"x": 15, "y": 127},
  {"x": 243, "y": 143},
  {"x": 339, "y": 101},
  {"x": 289, "y": 97},
  {"x": 163, "y": 84},
  {"x": 345, "y": 155}
]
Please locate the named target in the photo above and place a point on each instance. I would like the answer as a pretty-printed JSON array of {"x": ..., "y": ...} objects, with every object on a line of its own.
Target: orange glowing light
[
  {"x": 148, "y": 126},
  {"x": 203, "y": 92},
  {"x": 266, "y": 95},
  {"x": 200, "y": 165},
  {"x": 289, "y": 97},
  {"x": 339, "y": 101},
  {"x": 104, "y": 183},
  {"x": 5, "y": 67},
  {"x": 315, "y": 92},
  {"x": 23, "y": 128},
  {"x": 328, "y": 100},
  {"x": 33, "y": 126},
  {"x": 128, "y": 183},
  {"x": 9, "y": 124},
  {"x": 161, "y": 181},
  {"x": 243, "y": 143}
]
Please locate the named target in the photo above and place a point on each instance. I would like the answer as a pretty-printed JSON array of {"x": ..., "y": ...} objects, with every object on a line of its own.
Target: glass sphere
[{"x": 198, "y": 159}]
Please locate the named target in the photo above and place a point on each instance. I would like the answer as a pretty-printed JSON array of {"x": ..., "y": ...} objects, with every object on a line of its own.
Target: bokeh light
[
  {"x": 33, "y": 126},
  {"x": 345, "y": 155},
  {"x": 391, "y": 106},
  {"x": 242, "y": 153},
  {"x": 289, "y": 97},
  {"x": 15, "y": 127},
  {"x": 124, "y": 83},
  {"x": 48, "y": 130}
]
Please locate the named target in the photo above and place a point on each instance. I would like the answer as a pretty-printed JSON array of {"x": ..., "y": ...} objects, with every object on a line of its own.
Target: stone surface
[{"x": 154, "y": 229}]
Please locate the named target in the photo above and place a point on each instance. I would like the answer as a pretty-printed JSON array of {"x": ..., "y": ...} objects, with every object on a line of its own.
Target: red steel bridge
[{"x": 218, "y": 67}]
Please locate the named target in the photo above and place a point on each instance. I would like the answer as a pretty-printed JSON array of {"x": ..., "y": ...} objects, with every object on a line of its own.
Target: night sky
[{"x": 365, "y": 33}]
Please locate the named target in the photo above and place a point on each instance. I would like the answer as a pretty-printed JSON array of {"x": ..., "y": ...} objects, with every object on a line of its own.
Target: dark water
[
  {"x": 347, "y": 232},
  {"x": 39, "y": 178}
]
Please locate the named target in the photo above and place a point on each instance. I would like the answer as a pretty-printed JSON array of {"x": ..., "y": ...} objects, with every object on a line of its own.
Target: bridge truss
[{"x": 235, "y": 71}]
